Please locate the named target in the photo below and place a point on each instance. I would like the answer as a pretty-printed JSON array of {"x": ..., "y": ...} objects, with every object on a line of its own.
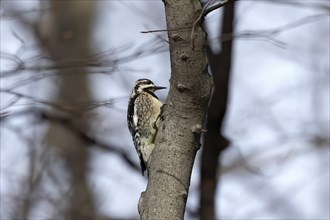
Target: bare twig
[
  {"x": 269, "y": 35},
  {"x": 165, "y": 30},
  {"x": 141, "y": 51},
  {"x": 215, "y": 6},
  {"x": 65, "y": 107},
  {"x": 206, "y": 9},
  {"x": 192, "y": 39},
  {"x": 67, "y": 122}
]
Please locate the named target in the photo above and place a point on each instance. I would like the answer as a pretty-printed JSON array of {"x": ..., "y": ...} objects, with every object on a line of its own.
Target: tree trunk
[
  {"x": 214, "y": 141},
  {"x": 66, "y": 36},
  {"x": 184, "y": 112}
]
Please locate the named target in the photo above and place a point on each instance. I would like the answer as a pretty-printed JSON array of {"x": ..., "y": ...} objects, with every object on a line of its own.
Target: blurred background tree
[{"x": 67, "y": 68}]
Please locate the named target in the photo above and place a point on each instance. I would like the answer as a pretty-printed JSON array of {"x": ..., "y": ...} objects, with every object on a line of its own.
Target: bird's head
[{"x": 146, "y": 85}]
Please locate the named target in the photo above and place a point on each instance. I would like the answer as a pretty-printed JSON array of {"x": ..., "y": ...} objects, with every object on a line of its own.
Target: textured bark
[
  {"x": 214, "y": 141},
  {"x": 178, "y": 138}
]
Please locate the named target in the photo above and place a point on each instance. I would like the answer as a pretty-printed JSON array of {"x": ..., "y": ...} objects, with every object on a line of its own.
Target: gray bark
[{"x": 182, "y": 120}]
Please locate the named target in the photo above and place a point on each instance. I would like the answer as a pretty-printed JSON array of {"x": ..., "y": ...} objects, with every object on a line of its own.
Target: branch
[
  {"x": 215, "y": 7},
  {"x": 93, "y": 61},
  {"x": 67, "y": 122},
  {"x": 205, "y": 11},
  {"x": 197, "y": 22}
]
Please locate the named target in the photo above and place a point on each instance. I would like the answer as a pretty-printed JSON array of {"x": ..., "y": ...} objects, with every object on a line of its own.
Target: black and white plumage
[{"x": 143, "y": 114}]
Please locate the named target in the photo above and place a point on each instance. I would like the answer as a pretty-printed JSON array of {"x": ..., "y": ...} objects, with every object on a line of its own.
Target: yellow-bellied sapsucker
[{"x": 143, "y": 115}]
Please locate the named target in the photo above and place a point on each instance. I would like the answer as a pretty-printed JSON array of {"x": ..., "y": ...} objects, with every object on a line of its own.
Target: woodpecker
[{"x": 143, "y": 115}]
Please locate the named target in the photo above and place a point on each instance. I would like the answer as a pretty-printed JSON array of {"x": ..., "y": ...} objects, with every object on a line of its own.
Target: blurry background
[{"x": 67, "y": 68}]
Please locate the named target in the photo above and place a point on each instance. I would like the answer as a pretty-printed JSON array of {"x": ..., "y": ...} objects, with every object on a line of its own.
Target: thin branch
[
  {"x": 65, "y": 107},
  {"x": 67, "y": 122},
  {"x": 201, "y": 15},
  {"x": 143, "y": 50},
  {"x": 215, "y": 6},
  {"x": 51, "y": 104},
  {"x": 269, "y": 35},
  {"x": 205, "y": 11},
  {"x": 166, "y": 30}
]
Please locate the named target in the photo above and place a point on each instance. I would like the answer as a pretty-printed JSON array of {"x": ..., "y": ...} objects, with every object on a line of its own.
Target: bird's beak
[{"x": 159, "y": 87}]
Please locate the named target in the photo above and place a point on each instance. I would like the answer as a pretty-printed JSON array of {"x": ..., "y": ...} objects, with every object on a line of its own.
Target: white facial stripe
[
  {"x": 147, "y": 86},
  {"x": 143, "y": 87}
]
